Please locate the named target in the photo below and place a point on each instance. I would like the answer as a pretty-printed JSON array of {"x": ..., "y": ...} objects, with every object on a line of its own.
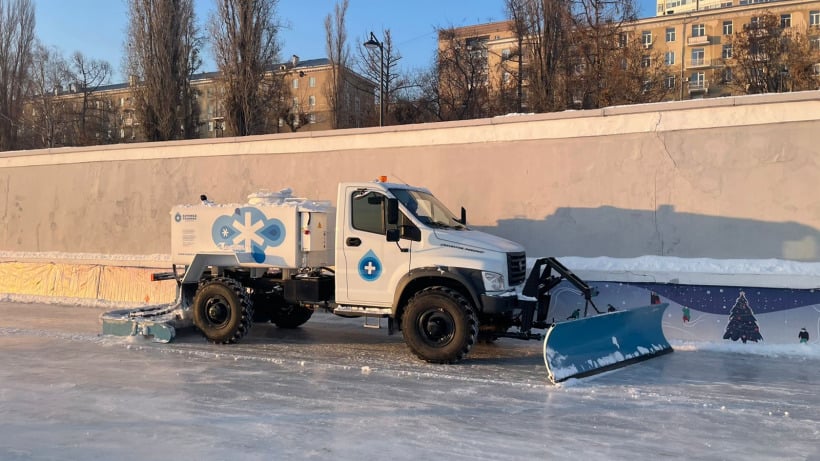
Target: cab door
[{"x": 373, "y": 265}]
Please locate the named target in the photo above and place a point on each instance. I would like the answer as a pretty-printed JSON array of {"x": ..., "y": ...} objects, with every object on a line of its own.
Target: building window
[
  {"x": 754, "y": 23},
  {"x": 312, "y": 82},
  {"x": 814, "y": 18},
  {"x": 669, "y": 58},
  {"x": 295, "y": 83},
  {"x": 727, "y": 27},
  {"x": 697, "y": 80},
  {"x": 697, "y": 56},
  {"x": 312, "y": 101},
  {"x": 505, "y": 54},
  {"x": 785, "y": 20},
  {"x": 817, "y": 69},
  {"x": 698, "y": 30},
  {"x": 814, "y": 43},
  {"x": 623, "y": 38},
  {"x": 312, "y": 118},
  {"x": 646, "y": 38},
  {"x": 725, "y": 4},
  {"x": 727, "y": 75},
  {"x": 670, "y": 34},
  {"x": 646, "y": 62},
  {"x": 727, "y": 51},
  {"x": 669, "y": 81}
]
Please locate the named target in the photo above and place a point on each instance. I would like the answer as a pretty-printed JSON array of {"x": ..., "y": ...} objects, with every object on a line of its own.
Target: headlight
[{"x": 493, "y": 281}]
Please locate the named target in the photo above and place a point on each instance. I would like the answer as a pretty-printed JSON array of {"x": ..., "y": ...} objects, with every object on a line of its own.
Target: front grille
[{"x": 516, "y": 268}]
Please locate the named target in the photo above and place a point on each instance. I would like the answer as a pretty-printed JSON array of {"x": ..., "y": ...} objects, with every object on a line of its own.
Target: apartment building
[
  {"x": 694, "y": 43},
  {"x": 305, "y": 108}
]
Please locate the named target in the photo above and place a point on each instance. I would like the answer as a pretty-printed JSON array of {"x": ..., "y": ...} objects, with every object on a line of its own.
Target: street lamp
[{"x": 372, "y": 44}]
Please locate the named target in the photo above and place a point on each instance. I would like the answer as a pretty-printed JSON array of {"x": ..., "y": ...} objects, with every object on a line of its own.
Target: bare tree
[
  {"x": 542, "y": 29},
  {"x": 768, "y": 58},
  {"x": 635, "y": 73},
  {"x": 45, "y": 120},
  {"x": 162, "y": 54},
  {"x": 93, "y": 115},
  {"x": 598, "y": 26},
  {"x": 462, "y": 90},
  {"x": 246, "y": 48},
  {"x": 338, "y": 52},
  {"x": 16, "y": 43}
]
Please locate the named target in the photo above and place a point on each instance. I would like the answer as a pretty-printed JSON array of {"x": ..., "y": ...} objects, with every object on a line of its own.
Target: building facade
[
  {"x": 305, "y": 105},
  {"x": 695, "y": 44}
]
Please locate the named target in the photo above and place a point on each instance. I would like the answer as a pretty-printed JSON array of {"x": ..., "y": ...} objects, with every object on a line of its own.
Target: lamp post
[{"x": 372, "y": 44}]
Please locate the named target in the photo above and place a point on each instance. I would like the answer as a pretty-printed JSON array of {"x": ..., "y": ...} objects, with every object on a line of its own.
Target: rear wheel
[
  {"x": 291, "y": 316},
  {"x": 439, "y": 325},
  {"x": 222, "y": 310}
]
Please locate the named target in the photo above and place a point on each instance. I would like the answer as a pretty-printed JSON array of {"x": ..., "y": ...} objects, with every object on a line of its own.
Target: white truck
[{"x": 387, "y": 251}]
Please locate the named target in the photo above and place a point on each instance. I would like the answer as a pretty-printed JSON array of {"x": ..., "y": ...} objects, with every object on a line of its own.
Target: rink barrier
[
  {"x": 100, "y": 283},
  {"x": 701, "y": 304}
]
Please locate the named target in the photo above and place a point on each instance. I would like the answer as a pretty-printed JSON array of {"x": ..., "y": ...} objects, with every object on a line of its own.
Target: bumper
[{"x": 499, "y": 305}]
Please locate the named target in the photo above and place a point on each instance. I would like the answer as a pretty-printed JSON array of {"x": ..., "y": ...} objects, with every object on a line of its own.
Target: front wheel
[
  {"x": 439, "y": 325},
  {"x": 222, "y": 310}
]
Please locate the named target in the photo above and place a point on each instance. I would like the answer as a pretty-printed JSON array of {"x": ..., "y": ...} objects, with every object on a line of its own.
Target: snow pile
[
  {"x": 772, "y": 273},
  {"x": 808, "y": 351}
]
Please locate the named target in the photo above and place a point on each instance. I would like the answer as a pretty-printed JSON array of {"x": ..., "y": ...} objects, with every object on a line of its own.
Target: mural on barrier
[{"x": 708, "y": 313}]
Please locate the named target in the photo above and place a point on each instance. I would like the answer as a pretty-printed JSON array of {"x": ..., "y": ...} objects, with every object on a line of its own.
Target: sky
[{"x": 97, "y": 28}]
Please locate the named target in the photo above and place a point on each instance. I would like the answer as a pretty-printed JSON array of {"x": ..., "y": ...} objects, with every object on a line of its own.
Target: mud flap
[
  {"x": 592, "y": 345},
  {"x": 155, "y": 323}
]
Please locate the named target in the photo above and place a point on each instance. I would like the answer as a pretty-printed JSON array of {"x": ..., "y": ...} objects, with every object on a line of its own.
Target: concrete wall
[{"x": 720, "y": 178}]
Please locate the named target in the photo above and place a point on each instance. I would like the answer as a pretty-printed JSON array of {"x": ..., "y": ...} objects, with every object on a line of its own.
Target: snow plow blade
[
  {"x": 592, "y": 345},
  {"x": 156, "y": 322}
]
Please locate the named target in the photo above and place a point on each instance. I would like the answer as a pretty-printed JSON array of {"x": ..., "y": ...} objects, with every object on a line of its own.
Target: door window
[{"x": 368, "y": 211}]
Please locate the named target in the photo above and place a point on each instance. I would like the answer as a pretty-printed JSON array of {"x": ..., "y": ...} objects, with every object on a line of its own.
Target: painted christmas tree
[{"x": 742, "y": 322}]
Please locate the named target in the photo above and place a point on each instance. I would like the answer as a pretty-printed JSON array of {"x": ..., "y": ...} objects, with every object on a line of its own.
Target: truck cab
[{"x": 402, "y": 254}]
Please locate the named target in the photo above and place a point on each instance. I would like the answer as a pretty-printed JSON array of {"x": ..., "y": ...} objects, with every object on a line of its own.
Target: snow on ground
[{"x": 334, "y": 390}]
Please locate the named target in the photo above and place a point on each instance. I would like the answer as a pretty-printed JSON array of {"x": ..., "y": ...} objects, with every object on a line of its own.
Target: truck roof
[{"x": 386, "y": 185}]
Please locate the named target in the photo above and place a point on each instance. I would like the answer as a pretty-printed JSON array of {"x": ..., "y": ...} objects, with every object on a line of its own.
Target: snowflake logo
[{"x": 249, "y": 232}]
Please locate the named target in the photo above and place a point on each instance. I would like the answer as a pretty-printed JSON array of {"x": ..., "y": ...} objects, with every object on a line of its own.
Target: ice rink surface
[{"x": 335, "y": 390}]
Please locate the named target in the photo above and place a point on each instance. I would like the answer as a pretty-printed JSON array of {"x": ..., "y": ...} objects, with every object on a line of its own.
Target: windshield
[{"x": 427, "y": 209}]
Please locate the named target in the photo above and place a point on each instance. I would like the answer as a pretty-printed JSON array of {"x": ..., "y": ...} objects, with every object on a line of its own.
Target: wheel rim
[
  {"x": 436, "y": 328},
  {"x": 217, "y": 311}
]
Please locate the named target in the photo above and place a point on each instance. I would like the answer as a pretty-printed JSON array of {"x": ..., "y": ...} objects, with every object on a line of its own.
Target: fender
[{"x": 470, "y": 279}]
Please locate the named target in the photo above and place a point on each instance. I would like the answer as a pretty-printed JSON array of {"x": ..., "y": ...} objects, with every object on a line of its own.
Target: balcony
[
  {"x": 696, "y": 63},
  {"x": 698, "y": 87},
  {"x": 701, "y": 40}
]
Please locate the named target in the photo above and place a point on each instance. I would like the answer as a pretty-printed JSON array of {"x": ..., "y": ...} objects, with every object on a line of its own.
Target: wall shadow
[{"x": 626, "y": 233}]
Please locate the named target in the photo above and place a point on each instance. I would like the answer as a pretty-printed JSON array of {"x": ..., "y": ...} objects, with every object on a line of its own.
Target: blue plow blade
[
  {"x": 156, "y": 323},
  {"x": 592, "y": 345}
]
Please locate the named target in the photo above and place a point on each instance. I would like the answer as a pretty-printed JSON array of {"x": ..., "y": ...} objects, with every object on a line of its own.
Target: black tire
[
  {"x": 291, "y": 316},
  {"x": 222, "y": 310},
  {"x": 264, "y": 305},
  {"x": 439, "y": 325}
]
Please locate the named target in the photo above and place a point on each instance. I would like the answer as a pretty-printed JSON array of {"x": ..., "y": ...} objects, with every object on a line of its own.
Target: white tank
[{"x": 273, "y": 229}]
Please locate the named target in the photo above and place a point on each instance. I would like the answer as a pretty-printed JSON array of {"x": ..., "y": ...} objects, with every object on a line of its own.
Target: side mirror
[
  {"x": 393, "y": 235},
  {"x": 392, "y": 212},
  {"x": 411, "y": 232}
]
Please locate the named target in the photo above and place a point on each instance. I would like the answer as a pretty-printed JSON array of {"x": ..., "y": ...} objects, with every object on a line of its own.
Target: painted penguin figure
[{"x": 803, "y": 336}]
